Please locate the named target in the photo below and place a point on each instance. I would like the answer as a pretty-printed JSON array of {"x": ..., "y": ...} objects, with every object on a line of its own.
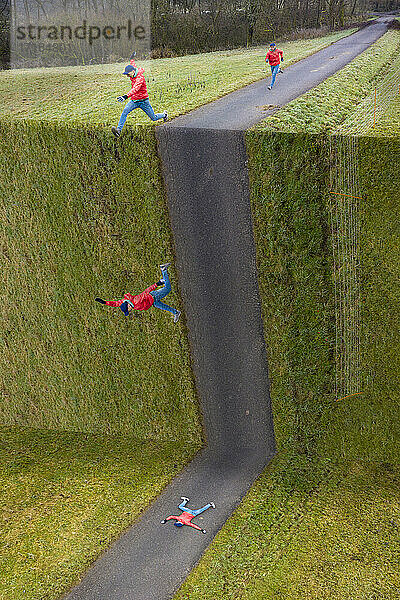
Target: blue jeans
[
  {"x": 162, "y": 292},
  {"x": 274, "y": 71},
  {"x": 182, "y": 506},
  {"x": 144, "y": 105}
]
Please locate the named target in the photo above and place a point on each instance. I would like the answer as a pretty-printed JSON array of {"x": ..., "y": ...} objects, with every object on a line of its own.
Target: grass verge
[
  {"x": 310, "y": 529},
  {"x": 64, "y": 498}
]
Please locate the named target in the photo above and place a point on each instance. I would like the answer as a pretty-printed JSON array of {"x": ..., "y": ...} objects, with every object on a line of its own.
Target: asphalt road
[{"x": 205, "y": 170}]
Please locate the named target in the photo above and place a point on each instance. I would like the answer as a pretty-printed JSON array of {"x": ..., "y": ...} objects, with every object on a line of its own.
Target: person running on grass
[
  {"x": 150, "y": 297},
  {"x": 138, "y": 97},
  {"x": 187, "y": 515},
  {"x": 274, "y": 57}
]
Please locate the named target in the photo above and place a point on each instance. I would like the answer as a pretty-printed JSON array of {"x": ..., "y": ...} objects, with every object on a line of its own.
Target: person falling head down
[{"x": 150, "y": 297}]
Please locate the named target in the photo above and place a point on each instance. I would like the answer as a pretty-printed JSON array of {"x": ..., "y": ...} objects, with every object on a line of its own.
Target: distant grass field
[
  {"x": 64, "y": 497},
  {"x": 327, "y": 105},
  {"x": 88, "y": 94},
  {"x": 309, "y": 529}
]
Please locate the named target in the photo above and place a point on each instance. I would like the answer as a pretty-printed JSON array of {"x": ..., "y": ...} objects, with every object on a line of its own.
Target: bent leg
[
  {"x": 128, "y": 108},
  {"x": 164, "y": 291},
  {"x": 148, "y": 109},
  {"x": 182, "y": 505},
  {"x": 163, "y": 306}
]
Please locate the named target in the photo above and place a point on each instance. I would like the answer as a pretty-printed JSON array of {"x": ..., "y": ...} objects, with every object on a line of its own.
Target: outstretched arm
[
  {"x": 168, "y": 519},
  {"x": 195, "y": 526},
  {"x": 109, "y": 302},
  {"x": 114, "y": 302},
  {"x": 131, "y": 59}
]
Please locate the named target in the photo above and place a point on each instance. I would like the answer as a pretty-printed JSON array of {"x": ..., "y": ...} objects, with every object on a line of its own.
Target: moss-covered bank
[
  {"x": 290, "y": 185},
  {"x": 82, "y": 217}
]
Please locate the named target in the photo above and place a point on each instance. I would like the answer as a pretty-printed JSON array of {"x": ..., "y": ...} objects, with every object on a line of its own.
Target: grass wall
[
  {"x": 368, "y": 425},
  {"x": 83, "y": 217},
  {"x": 290, "y": 201}
]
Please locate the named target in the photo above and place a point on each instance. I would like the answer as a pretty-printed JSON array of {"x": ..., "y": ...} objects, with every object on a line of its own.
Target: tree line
[
  {"x": 181, "y": 27},
  {"x": 186, "y": 26}
]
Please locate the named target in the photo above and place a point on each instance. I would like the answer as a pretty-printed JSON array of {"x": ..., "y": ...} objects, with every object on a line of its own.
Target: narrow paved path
[{"x": 205, "y": 169}]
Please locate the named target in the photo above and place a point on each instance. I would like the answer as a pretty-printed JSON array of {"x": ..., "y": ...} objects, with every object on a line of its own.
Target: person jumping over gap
[
  {"x": 150, "y": 297},
  {"x": 138, "y": 97},
  {"x": 274, "y": 56},
  {"x": 187, "y": 515}
]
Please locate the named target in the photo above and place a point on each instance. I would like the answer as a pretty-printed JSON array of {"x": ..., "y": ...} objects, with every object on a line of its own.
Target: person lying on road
[{"x": 187, "y": 515}]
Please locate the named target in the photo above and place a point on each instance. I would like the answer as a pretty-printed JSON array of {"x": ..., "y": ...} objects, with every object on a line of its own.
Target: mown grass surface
[
  {"x": 290, "y": 179},
  {"x": 310, "y": 529},
  {"x": 388, "y": 124},
  {"x": 324, "y": 107},
  {"x": 88, "y": 94},
  {"x": 82, "y": 218},
  {"x": 64, "y": 497}
]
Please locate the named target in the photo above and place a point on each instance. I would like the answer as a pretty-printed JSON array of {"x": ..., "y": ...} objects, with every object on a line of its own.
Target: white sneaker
[
  {"x": 212, "y": 504},
  {"x": 183, "y": 498},
  {"x": 176, "y": 317},
  {"x": 165, "y": 266},
  {"x": 165, "y": 116},
  {"x": 269, "y": 87}
]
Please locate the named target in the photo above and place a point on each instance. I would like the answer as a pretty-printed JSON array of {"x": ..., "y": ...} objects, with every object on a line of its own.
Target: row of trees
[
  {"x": 4, "y": 34},
  {"x": 192, "y": 26},
  {"x": 182, "y": 26}
]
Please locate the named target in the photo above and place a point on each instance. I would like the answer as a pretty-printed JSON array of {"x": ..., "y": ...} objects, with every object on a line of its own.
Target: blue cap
[
  {"x": 178, "y": 524},
  {"x": 272, "y": 44},
  {"x": 129, "y": 69},
  {"x": 124, "y": 308}
]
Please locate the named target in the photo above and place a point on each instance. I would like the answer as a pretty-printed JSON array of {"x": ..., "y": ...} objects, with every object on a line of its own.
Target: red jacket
[
  {"x": 139, "y": 89},
  {"x": 185, "y": 518},
  {"x": 273, "y": 57},
  {"x": 142, "y": 301}
]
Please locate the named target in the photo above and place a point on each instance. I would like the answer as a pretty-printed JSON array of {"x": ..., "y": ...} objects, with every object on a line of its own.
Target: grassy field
[
  {"x": 88, "y": 94},
  {"x": 95, "y": 223},
  {"x": 310, "y": 529},
  {"x": 294, "y": 270},
  {"x": 64, "y": 497},
  {"x": 325, "y": 524},
  {"x": 89, "y": 218},
  {"x": 326, "y": 106}
]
